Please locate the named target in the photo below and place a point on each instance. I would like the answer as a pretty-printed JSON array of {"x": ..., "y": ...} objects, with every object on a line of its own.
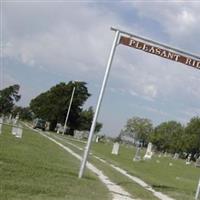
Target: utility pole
[{"x": 68, "y": 111}]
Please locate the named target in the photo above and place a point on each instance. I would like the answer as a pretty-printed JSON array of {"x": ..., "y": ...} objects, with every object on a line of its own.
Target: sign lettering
[{"x": 159, "y": 52}]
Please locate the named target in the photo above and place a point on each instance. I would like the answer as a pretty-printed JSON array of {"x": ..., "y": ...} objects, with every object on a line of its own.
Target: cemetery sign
[
  {"x": 148, "y": 46},
  {"x": 159, "y": 51}
]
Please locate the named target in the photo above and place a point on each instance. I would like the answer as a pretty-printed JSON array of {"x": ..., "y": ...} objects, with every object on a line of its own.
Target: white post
[
  {"x": 87, "y": 148},
  {"x": 198, "y": 190},
  {"x": 1, "y": 122},
  {"x": 68, "y": 111}
]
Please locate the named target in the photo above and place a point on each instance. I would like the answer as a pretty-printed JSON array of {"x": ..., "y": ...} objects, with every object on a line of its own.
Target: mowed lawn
[
  {"x": 34, "y": 168},
  {"x": 177, "y": 179}
]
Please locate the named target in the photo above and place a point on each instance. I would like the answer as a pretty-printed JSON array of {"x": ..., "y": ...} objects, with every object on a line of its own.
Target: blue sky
[{"x": 46, "y": 42}]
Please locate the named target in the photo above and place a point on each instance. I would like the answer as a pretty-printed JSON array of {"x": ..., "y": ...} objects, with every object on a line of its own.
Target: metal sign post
[
  {"x": 87, "y": 148},
  {"x": 197, "y": 191}
]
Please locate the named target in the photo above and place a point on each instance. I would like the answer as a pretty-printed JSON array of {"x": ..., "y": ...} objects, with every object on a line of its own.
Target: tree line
[
  {"x": 170, "y": 136},
  {"x": 52, "y": 106}
]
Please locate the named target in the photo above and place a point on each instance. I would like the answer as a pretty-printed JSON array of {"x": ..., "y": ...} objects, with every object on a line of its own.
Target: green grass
[
  {"x": 178, "y": 181},
  {"x": 134, "y": 189},
  {"x": 35, "y": 168}
]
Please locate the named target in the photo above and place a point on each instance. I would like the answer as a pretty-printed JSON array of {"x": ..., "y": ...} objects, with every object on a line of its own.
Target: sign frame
[{"x": 175, "y": 55}]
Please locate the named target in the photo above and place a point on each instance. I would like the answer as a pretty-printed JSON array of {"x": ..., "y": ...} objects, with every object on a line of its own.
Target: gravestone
[
  {"x": 58, "y": 130},
  {"x": 19, "y": 132},
  {"x": 188, "y": 160},
  {"x": 115, "y": 149},
  {"x": 195, "y": 156},
  {"x": 149, "y": 152},
  {"x": 137, "y": 155},
  {"x": 176, "y": 156},
  {"x": 10, "y": 119},
  {"x": 13, "y": 121},
  {"x": 97, "y": 139},
  {"x": 1, "y": 124},
  {"x": 14, "y": 130},
  {"x": 6, "y": 120},
  {"x": 78, "y": 135},
  {"x": 58, "y": 125},
  {"x": 16, "y": 119},
  {"x": 47, "y": 128},
  {"x": 197, "y": 163}
]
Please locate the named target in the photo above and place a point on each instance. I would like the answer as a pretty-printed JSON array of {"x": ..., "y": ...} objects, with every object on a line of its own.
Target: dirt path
[
  {"x": 117, "y": 192},
  {"x": 140, "y": 182}
]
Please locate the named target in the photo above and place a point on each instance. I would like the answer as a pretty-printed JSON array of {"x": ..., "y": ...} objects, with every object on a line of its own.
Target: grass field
[
  {"x": 134, "y": 189},
  {"x": 178, "y": 181},
  {"x": 34, "y": 168}
]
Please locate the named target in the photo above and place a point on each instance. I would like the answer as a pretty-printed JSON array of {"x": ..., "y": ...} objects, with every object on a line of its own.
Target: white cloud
[
  {"x": 178, "y": 19},
  {"x": 150, "y": 90},
  {"x": 76, "y": 39}
]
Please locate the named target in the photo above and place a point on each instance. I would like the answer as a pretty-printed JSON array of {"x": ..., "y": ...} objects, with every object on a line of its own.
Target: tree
[
  {"x": 8, "y": 97},
  {"x": 192, "y": 136},
  {"x": 24, "y": 113},
  {"x": 85, "y": 120},
  {"x": 168, "y": 136},
  {"x": 53, "y": 104},
  {"x": 139, "y": 128}
]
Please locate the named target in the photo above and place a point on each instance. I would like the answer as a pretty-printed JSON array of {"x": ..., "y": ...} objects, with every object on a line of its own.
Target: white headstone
[
  {"x": 10, "y": 119},
  {"x": 47, "y": 126},
  {"x": 176, "y": 156},
  {"x": 188, "y": 160},
  {"x": 137, "y": 155},
  {"x": 19, "y": 132},
  {"x": 1, "y": 124},
  {"x": 97, "y": 139},
  {"x": 15, "y": 120},
  {"x": 78, "y": 135},
  {"x": 14, "y": 130},
  {"x": 115, "y": 149},
  {"x": 149, "y": 152},
  {"x": 197, "y": 164}
]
